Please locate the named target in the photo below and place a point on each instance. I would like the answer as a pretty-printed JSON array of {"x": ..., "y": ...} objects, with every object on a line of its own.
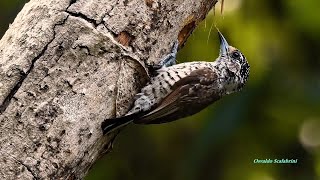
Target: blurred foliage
[{"x": 276, "y": 116}]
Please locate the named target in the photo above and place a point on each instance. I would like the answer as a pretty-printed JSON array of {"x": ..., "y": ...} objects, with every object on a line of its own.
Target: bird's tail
[{"x": 109, "y": 125}]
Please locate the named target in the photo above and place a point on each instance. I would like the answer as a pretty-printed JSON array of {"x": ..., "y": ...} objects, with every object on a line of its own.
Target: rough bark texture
[{"x": 65, "y": 65}]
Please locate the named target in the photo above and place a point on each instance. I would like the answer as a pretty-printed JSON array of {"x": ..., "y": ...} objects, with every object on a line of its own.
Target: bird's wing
[{"x": 181, "y": 89}]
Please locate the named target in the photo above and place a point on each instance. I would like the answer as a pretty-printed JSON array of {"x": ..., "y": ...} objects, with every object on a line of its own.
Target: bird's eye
[{"x": 235, "y": 55}]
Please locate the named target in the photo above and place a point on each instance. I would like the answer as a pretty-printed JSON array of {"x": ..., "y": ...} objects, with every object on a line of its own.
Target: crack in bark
[
  {"x": 28, "y": 169},
  {"x": 94, "y": 22},
  {"x": 24, "y": 75},
  {"x": 90, "y": 20},
  {"x": 82, "y": 16},
  {"x": 13, "y": 91},
  {"x": 24, "y": 165},
  {"x": 70, "y": 4}
]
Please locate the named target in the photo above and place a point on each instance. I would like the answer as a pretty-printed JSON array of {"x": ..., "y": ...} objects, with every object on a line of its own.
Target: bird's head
[{"x": 237, "y": 66}]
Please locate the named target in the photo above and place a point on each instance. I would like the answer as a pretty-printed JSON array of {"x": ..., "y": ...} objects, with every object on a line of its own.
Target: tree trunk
[{"x": 66, "y": 65}]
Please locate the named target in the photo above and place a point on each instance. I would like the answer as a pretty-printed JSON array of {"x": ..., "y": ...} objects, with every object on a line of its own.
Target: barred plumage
[{"x": 184, "y": 89}]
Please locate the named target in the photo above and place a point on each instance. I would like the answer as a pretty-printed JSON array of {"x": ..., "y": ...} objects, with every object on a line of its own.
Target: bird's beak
[{"x": 224, "y": 46}]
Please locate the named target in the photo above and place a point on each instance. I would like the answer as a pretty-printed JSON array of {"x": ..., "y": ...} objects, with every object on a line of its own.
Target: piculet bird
[{"x": 181, "y": 90}]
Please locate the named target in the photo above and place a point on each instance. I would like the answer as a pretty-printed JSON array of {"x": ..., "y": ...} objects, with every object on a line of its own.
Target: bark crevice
[
  {"x": 35, "y": 176},
  {"x": 24, "y": 75},
  {"x": 84, "y": 17}
]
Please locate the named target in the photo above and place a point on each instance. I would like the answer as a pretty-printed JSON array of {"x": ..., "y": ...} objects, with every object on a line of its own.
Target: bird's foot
[{"x": 169, "y": 59}]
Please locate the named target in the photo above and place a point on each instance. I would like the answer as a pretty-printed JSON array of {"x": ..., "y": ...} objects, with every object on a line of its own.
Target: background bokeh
[{"x": 277, "y": 115}]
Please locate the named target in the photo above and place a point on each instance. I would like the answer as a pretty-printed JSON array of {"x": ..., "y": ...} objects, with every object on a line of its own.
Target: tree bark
[{"x": 66, "y": 65}]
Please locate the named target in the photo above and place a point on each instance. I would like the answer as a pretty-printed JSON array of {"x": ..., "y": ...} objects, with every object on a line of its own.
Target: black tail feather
[{"x": 109, "y": 125}]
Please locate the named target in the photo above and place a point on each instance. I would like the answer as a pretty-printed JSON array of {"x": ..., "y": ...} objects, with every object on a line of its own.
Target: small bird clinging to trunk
[{"x": 184, "y": 89}]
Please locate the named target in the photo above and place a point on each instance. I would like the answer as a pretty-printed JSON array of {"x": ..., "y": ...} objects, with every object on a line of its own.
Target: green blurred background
[{"x": 277, "y": 115}]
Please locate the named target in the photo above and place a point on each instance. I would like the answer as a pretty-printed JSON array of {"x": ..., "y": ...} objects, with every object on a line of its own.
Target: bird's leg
[{"x": 169, "y": 59}]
